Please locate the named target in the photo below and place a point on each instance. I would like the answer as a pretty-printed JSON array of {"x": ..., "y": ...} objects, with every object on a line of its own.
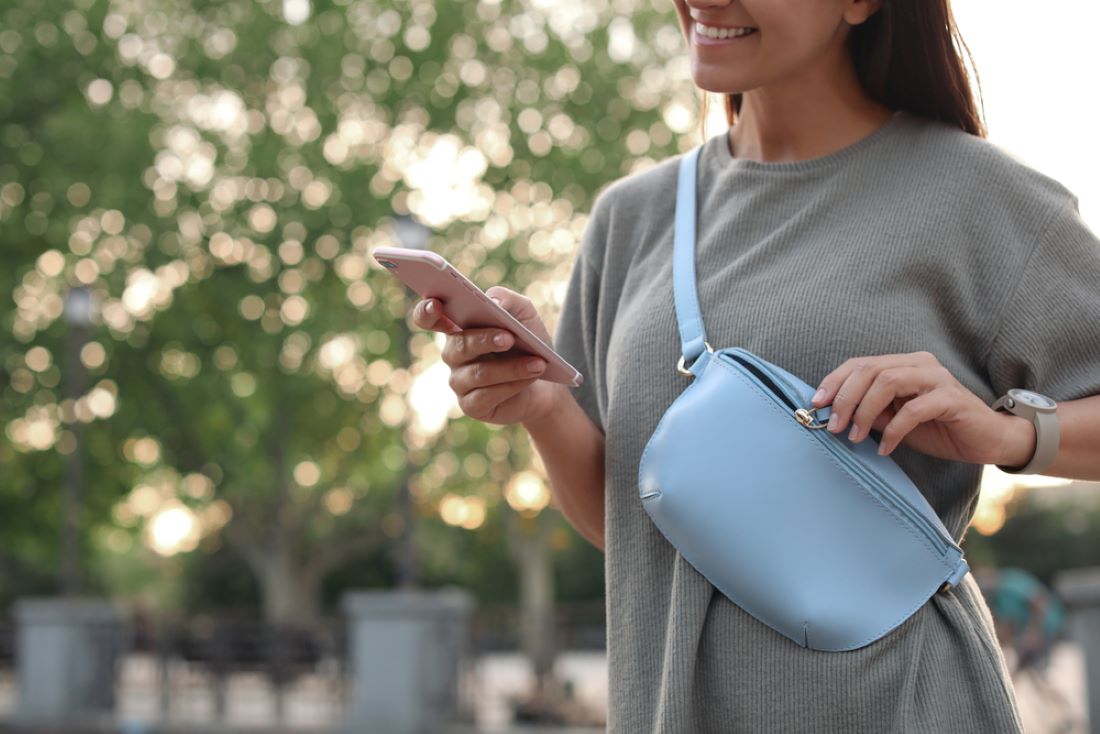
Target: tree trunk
[
  {"x": 531, "y": 549},
  {"x": 290, "y": 594}
]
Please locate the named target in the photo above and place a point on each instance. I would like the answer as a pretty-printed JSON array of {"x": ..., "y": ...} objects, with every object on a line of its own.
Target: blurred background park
[{"x": 235, "y": 487}]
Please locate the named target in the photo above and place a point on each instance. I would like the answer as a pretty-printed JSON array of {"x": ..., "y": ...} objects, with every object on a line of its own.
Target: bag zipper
[
  {"x": 885, "y": 489},
  {"x": 782, "y": 389}
]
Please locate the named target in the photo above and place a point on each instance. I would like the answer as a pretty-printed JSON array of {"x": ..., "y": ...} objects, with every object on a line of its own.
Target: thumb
[{"x": 521, "y": 308}]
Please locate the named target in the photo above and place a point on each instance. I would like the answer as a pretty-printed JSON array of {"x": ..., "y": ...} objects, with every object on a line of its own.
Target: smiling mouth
[
  {"x": 714, "y": 34},
  {"x": 722, "y": 32}
]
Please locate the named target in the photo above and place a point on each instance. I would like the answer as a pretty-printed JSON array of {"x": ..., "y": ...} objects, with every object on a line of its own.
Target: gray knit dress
[{"x": 917, "y": 237}]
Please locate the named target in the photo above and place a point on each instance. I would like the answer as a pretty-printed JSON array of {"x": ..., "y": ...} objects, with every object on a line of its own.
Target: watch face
[{"x": 1034, "y": 399}]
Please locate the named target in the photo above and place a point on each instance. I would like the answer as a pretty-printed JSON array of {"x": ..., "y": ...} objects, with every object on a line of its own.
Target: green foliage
[
  {"x": 1043, "y": 534},
  {"x": 217, "y": 177}
]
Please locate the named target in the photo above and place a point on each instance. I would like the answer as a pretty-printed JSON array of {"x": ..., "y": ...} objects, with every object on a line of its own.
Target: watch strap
[{"x": 1046, "y": 443}]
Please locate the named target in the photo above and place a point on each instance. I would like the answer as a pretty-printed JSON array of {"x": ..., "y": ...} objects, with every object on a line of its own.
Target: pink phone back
[{"x": 431, "y": 276}]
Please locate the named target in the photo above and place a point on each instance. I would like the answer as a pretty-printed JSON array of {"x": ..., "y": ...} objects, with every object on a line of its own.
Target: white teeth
[{"x": 709, "y": 32}]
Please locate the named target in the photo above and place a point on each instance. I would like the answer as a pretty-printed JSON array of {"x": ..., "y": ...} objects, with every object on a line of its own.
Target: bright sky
[{"x": 1038, "y": 65}]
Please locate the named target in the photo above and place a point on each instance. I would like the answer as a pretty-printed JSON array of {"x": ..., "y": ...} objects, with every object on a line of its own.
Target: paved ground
[
  {"x": 1054, "y": 704},
  {"x": 315, "y": 702}
]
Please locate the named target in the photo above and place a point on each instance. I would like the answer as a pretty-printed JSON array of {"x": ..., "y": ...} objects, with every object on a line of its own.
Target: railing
[
  {"x": 578, "y": 625},
  {"x": 234, "y": 671},
  {"x": 7, "y": 645},
  {"x": 245, "y": 674}
]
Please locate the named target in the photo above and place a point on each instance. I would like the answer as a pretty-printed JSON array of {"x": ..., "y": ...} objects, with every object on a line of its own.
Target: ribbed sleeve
[
  {"x": 575, "y": 334},
  {"x": 1049, "y": 336}
]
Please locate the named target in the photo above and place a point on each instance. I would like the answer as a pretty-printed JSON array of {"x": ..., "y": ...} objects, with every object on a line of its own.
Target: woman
[{"x": 856, "y": 228}]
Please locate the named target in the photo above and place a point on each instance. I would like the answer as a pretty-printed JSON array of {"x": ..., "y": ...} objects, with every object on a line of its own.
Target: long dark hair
[{"x": 906, "y": 58}]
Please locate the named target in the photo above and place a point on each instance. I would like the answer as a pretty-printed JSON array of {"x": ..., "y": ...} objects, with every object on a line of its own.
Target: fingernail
[
  {"x": 495, "y": 300},
  {"x": 499, "y": 340},
  {"x": 430, "y": 308},
  {"x": 535, "y": 366},
  {"x": 852, "y": 433},
  {"x": 834, "y": 421},
  {"x": 818, "y": 395},
  {"x": 881, "y": 450}
]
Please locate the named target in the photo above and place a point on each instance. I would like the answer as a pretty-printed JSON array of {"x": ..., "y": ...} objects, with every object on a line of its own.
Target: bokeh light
[
  {"x": 172, "y": 530},
  {"x": 526, "y": 493},
  {"x": 464, "y": 512}
]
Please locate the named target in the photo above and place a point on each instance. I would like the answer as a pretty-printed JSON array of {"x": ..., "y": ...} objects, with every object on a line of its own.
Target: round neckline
[{"x": 728, "y": 162}]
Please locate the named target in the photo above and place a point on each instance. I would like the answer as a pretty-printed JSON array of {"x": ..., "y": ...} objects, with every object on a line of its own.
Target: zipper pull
[{"x": 807, "y": 417}]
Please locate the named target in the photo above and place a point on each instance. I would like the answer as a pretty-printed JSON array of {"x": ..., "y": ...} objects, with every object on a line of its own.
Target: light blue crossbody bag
[{"x": 817, "y": 537}]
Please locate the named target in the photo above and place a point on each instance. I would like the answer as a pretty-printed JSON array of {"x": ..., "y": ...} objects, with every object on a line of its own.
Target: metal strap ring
[{"x": 680, "y": 364}]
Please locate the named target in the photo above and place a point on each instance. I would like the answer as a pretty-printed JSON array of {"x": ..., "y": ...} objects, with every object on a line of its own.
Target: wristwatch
[{"x": 1041, "y": 411}]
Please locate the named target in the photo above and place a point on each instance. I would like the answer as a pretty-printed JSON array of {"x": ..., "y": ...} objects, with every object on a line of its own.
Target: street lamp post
[
  {"x": 413, "y": 235},
  {"x": 78, "y": 313},
  {"x": 69, "y": 647},
  {"x": 407, "y": 646}
]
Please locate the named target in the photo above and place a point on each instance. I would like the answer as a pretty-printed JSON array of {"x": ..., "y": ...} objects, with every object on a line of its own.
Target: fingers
[
  {"x": 926, "y": 407},
  {"x": 514, "y": 303},
  {"x": 848, "y": 395},
  {"x": 887, "y": 386},
  {"x": 428, "y": 314},
  {"x": 481, "y": 403},
  {"x": 830, "y": 384},
  {"x": 472, "y": 344},
  {"x": 521, "y": 308},
  {"x": 483, "y": 373},
  {"x": 844, "y": 388},
  {"x": 479, "y": 377}
]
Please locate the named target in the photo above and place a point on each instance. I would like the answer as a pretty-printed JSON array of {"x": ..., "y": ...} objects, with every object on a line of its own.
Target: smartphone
[{"x": 431, "y": 276}]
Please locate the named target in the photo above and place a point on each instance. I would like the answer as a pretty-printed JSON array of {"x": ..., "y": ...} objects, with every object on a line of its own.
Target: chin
[
  {"x": 719, "y": 84},
  {"x": 720, "y": 89}
]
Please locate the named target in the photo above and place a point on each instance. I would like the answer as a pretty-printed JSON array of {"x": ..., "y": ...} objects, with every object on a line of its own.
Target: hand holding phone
[
  {"x": 431, "y": 276},
  {"x": 490, "y": 378}
]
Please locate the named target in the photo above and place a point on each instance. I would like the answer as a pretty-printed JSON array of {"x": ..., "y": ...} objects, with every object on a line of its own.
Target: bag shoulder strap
[{"x": 692, "y": 335}]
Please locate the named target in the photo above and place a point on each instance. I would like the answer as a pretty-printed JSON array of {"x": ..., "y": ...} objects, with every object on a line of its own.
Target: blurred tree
[
  {"x": 217, "y": 174},
  {"x": 1047, "y": 530},
  {"x": 529, "y": 543}
]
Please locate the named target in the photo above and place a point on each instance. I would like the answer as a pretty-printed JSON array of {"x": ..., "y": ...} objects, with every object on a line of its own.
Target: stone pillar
[
  {"x": 66, "y": 656},
  {"x": 1079, "y": 589},
  {"x": 405, "y": 651}
]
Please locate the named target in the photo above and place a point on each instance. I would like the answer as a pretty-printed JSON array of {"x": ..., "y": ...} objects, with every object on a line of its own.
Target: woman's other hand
[
  {"x": 913, "y": 399},
  {"x": 493, "y": 382}
]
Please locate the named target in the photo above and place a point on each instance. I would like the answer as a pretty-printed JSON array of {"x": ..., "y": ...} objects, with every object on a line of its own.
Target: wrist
[{"x": 1018, "y": 444}]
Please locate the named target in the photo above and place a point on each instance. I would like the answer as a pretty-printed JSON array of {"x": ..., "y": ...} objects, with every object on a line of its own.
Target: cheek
[
  {"x": 794, "y": 28},
  {"x": 786, "y": 46}
]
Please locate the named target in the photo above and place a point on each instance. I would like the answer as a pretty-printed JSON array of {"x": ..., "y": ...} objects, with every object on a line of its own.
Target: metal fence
[
  {"x": 7, "y": 645},
  {"x": 578, "y": 626},
  {"x": 230, "y": 670},
  {"x": 241, "y": 673}
]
